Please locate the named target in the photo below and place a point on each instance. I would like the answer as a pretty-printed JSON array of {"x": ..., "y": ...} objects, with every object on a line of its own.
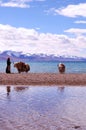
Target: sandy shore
[{"x": 42, "y": 79}]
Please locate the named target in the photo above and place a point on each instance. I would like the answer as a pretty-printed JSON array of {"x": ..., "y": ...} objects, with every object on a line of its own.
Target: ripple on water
[{"x": 42, "y": 108}]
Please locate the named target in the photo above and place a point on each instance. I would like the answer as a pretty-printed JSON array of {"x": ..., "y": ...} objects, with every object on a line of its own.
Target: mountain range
[{"x": 19, "y": 56}]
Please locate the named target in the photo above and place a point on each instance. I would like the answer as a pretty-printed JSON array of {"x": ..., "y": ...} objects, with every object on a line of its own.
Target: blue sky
[{"x": 55, "y": 27}]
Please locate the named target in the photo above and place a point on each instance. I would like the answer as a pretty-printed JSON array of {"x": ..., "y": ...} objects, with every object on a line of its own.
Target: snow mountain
[{"x": 16, "y": 56}]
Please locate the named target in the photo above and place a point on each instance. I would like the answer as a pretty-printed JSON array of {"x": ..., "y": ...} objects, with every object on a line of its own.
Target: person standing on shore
[{"x": 8, "y": 66}]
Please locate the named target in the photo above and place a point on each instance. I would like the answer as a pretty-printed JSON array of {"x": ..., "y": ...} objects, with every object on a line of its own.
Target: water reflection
[
  {"x": 61, "y": 88},
  {"x": 20, "y": 88},
  {"x": 41, "y": 108},
  {"x": 8, "y": 88}
]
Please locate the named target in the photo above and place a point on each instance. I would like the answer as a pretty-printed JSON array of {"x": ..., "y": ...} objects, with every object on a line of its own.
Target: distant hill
[{"x": 16, "y": 56}]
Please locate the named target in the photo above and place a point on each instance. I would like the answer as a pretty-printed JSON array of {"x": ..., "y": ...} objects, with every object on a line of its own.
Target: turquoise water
[
  {"x": 42, "y": 108},
  {"x": 38, "y": 67}
]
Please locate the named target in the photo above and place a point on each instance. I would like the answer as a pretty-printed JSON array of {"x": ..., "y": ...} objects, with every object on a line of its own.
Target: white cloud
[
  {"x": 12, "y": 4},
  {"x": 72, "y": 10},
  {"x": 30, "y": 41},
  {"x": 76, "y": 31},
  {"x": 17, "y": 3},
  {"x": 80, "y": 22}
]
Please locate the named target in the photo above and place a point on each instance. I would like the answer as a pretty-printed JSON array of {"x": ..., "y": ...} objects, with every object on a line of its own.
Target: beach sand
[{"x": 42, "y": 79}]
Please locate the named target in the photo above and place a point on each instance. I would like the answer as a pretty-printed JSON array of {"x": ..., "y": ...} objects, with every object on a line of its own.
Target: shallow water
[{"x": 42, "y": 108}]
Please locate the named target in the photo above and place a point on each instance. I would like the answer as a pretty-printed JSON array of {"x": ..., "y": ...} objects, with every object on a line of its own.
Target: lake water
[
  {"x": 38, "y": 67},
  {"x": 42, "y": 108}
]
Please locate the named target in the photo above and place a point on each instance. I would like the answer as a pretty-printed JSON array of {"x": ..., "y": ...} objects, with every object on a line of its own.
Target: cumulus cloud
[
  {"x": 17, "y": 3},
  {"x": 30, "y": 41},
  {"x": 72, "y": 10}
]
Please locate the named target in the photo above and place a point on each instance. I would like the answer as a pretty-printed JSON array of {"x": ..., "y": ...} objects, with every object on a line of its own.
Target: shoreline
[{"x": 48, "y": 79}]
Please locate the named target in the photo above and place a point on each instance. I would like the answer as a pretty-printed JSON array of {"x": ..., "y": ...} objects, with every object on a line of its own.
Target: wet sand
[{"x": 42, "y": 79}]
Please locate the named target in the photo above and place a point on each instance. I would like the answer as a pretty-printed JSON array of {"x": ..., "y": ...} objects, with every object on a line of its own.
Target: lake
[{"x": 49, "y": 67}]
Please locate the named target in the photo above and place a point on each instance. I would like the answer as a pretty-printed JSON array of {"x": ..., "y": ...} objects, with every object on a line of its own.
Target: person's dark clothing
[
  {"x": 8, "y": 61},
  {"x": 8, "y": 66}
]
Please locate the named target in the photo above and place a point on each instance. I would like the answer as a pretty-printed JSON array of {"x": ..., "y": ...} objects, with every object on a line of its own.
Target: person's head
[{"x": 8, "y": 58}]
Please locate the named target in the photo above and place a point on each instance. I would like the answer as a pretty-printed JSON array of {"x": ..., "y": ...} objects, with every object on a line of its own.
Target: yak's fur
[{"x": 22, "y": 67}]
